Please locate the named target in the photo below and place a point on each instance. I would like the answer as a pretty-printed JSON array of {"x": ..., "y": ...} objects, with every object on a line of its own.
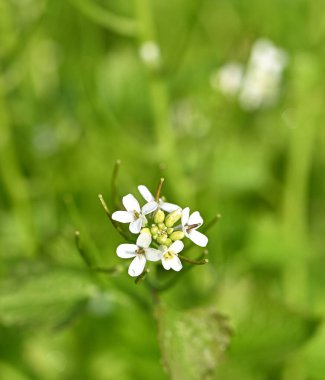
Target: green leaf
[
  {"x": 270, "y": 333},
  {"x": 42, "y": 296},
  {"x": 192, "y": 341}
]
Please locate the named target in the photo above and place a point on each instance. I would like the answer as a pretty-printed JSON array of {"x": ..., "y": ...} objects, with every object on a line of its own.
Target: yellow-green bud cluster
[{"x": 162, "y": 230}]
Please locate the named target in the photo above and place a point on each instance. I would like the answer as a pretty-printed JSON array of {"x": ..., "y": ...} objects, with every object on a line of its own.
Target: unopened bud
[
  {"x": 145, "y": 231},
  {"x": 170, "y": 230},
  {"x": 168, "y": 242},
  {"x": 173, "y": 217},
  {"x": 154, "y": 230},
  {"x": 177, "y": 235},
  {"x": 161, "y": 226},
  {"x": 159, "y": 216},
  {"x": 162, "y": 239}
]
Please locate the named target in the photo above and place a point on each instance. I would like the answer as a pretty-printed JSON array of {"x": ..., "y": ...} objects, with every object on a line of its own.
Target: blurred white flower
[
  {"x": 263, "y": 75},
  {"x": 169, "y": 258},
  {"x": 150, "y": 53},
  {"x": 259, "y": 84},
  {"x": 161, "y": 204},
  {"x": 133, "y": 214},
  {"x": 190, "y": 224},
  {"x": 141, "y": 253},
  {"x": 228, "y": 78}
]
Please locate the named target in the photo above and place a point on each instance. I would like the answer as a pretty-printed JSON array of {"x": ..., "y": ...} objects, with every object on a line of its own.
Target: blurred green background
[{"x": 75, "y": 95}]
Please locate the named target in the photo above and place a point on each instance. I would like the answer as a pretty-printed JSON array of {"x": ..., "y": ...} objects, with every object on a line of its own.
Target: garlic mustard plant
[{"x": 162, "y": 230}]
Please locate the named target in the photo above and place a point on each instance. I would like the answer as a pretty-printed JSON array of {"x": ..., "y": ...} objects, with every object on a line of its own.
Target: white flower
[
  {"x": 169, "y": 258},
  {"x": 150, "y": 53},
  {"x": 133, "y": 214},
  {"x": 228, "y": 79},
  {"x": 261, "y": 85},
  {"x": 190, "y": 224},
  {"x": 169, "y": 207},
  {"x": 141, "y": 253}
]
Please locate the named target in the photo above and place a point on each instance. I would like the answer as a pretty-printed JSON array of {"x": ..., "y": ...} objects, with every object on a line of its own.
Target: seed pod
[
  {"x": 159, "y": 216},
  {"x": 173, "y": 217}
]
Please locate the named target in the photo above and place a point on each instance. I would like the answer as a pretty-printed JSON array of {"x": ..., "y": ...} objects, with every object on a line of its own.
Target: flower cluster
[
  {"x": 257, "y": 85},
  {"x": 161, "y": 227}
]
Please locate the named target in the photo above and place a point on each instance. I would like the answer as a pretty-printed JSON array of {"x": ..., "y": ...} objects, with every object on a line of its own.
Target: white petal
[
  {"x": 137, "y": 265},
  {"x": 130, "y": 203},
  {"x": 126, "y": 251},
  {"x": 169, "y": 207},
  {"x": 198, "y": 238},
  {"x": 123, "y": 216},
  {"x": 144, "y": 240},
  {"x": 153, "y": 254},
  {"x": 185, "y": 215},
  {"x": 149, "y": 207},
  {"x": 135, "y": 226},
  {"x": 144, "y": 191},
  {"x": 175, "y": 263},
  {"x": 195, "y": 218},
  {"x": 176, "y": 247},
  {"x": 166, "y": 263}
]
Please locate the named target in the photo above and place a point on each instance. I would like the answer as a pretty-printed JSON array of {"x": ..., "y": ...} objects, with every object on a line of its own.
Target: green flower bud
[
  {"x": 154, "y": 230},
  {"x": 155, "y": 237},
  {"x": 161, "y": 226},
  {"x": 173, "y": 217},
  {"x": 170, "y": 230},
  {"x": 177, "y": 235},
  {"x": 145, "y": 231},
  {"x": 159, "y": 216},
  {"x": 162, "y": 239},
  {"x": 168, "y": 242}
]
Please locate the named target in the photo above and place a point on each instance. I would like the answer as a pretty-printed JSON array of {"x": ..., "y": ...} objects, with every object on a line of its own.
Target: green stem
[
  {"x": 157, "y": 197},
  {"x": 295, "y": 202},
  {"x": 103, "y": 17},
  {"x": 116, "y": 170},
  {"x": 109, "y": 215},
  {"x": 14, "y": 182}
]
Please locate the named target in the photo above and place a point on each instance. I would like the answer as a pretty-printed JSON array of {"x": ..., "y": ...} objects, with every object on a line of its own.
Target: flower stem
[
  {"x": 109, "y": 215},
  {"x": 211, "y": 223},
  {"x": 118, "y": 24},
  {"x": 142, "y": 276},
  {"x": 194, "y": 262},
  {"x": 159, "y": 189},
  {"x": 295, "y": 199},
  {"x": 114, "y": 183}
]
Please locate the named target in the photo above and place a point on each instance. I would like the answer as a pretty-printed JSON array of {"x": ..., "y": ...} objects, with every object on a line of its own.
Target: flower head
[
  {"x": 190, "y": 224},
  {"x": 161, "y": 204},
  {"x": 141, "y": 253},
  {"x": 133, "y": 214},
  {"x": 169, "y": 258},
  {"x": 160, "y": 227}
]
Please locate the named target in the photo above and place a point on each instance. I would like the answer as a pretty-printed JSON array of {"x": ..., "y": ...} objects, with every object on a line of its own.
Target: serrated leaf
[
  {"x": 192, "y": 341},
  {"x": 46, "y": 296}
]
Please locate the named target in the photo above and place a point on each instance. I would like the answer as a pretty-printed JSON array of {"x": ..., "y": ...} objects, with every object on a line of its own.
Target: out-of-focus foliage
[{"x": 81, "y": 87}]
